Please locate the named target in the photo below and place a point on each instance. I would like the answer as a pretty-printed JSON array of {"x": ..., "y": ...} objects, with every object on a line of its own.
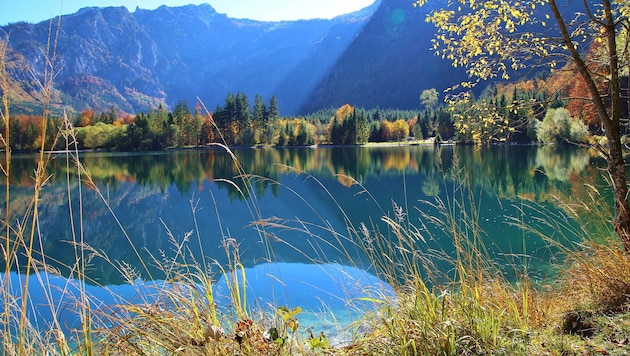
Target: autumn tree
[
  {"x": 558, "y": 126},
  {"x": 207, "y": 130},
  {"x": 577, "y": 107},
  {"x": 387, "y": 130},
  {"x": 86, "y": 118},
  {"x": 299, "y": 132},
  {"x": 495, "y": 38},
  {"x": 400, "y": 130},
  {"x": 341, "y": 127},
  {"x": 296, "y": 132},
  {"x": 348, "y": 126},
  {"x": 429, "y": 99},
  {"x": 479, "y": 123},
  {"x": 344, "y": 111},
  {"x": 394, "y": 131}
]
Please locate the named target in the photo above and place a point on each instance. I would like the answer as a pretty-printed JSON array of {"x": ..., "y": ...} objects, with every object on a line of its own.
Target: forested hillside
[{"x": 138, "y": 60}]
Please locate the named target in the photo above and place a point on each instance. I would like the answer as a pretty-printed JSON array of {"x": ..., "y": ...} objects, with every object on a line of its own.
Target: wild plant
[
  {"x": 21, "y": 240},
  {"x": 447, "y": 302}
]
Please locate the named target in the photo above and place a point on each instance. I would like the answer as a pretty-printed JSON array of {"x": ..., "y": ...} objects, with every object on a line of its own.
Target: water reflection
[
  {"x": 314, "y": 194},
  {"x": 502, "y": 167},
  {"x": 560, "y": 163},
  {"x": 328, "y": 295}
]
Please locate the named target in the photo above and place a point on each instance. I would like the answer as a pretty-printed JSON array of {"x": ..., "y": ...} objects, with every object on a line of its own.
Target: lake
[{"x": 290, "y": 210}]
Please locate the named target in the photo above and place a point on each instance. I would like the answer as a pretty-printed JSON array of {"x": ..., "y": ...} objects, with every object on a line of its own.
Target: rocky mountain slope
[{"x": 107, "y": 57}]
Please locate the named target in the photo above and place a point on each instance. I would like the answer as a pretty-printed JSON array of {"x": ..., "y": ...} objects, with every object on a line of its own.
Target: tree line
[
  {"x": 235, "y": 123},
  {"x": 530, "y": 110},
  {"x": 544, "y": 109}
]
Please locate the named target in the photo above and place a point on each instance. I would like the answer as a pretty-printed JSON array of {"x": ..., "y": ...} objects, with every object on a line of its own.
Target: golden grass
[
  {"x": 476, "y": 310},
  {"x": 598, "y": 279}
]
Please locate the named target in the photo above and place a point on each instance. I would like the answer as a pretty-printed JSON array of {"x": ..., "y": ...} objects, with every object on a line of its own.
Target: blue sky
[{"x": 268, "y": 10}]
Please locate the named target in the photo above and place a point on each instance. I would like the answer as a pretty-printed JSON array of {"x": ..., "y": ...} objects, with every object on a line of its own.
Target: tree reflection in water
[{"x": 316, "y": 193}]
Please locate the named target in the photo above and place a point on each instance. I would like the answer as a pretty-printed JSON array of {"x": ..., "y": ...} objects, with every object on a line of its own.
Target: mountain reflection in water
[{"x": 293, "y": 205}]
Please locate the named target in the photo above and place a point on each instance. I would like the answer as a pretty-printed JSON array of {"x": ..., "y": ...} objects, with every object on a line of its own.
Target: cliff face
[{"x": 135, "y": 60}]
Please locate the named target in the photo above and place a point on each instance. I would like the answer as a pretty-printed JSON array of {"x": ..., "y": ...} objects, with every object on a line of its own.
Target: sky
[{"x": 264, "y": 10}]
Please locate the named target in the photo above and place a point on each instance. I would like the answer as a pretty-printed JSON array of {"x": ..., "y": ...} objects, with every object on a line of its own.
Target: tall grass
[
  {"x": 470, "y": 306},
  {"x": 6, "y": 170},
  {"x": 447, "y": 303},
  {"x": 18, "y": 333}
]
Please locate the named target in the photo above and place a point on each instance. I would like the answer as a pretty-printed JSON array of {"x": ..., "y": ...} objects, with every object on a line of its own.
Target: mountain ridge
[{"x": 138, "y": 60}]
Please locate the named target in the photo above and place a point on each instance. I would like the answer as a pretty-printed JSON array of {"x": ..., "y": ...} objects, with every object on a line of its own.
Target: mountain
[
  {"x": 105, "y": 57},
  {"x": 388, "y": 65}
]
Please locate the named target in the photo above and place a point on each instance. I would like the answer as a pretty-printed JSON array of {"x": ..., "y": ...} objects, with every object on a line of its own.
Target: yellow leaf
[
  {"x": 287, "y": 314},
  {"x": 293, "y": 324}
]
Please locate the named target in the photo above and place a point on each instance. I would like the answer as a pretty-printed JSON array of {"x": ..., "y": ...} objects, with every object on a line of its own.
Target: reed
[
  {"x": 19, "y": 334},
  {"x": 470, "y": 307},
  {"x": 6, "y": 170}
]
